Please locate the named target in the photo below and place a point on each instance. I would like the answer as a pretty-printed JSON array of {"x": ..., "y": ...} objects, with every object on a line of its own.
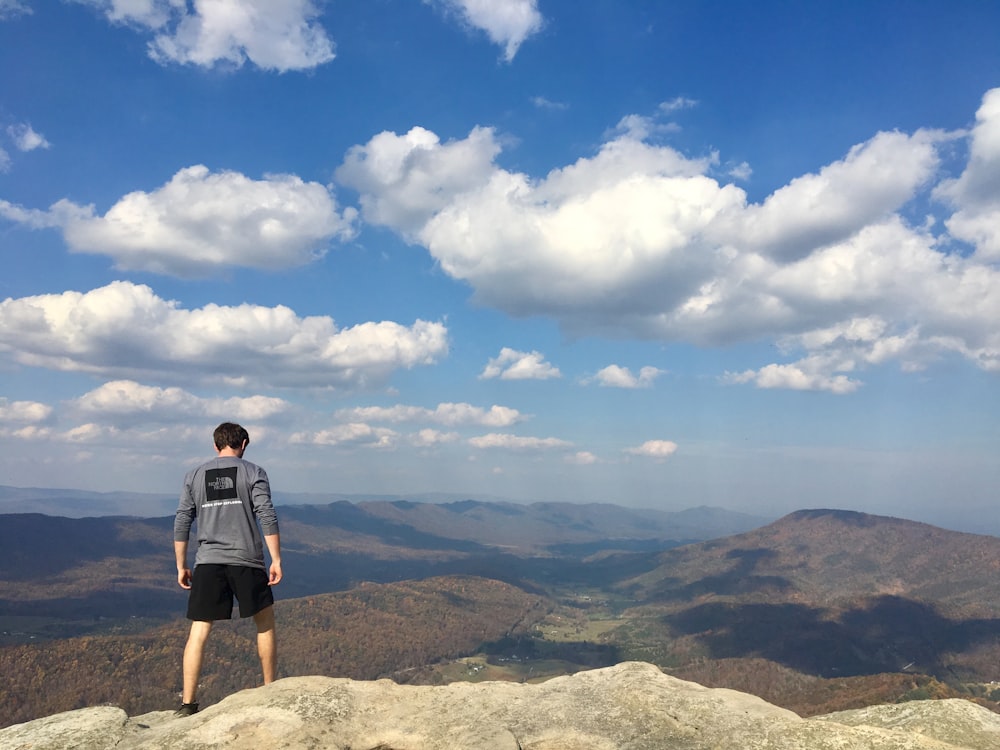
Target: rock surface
[{"x": 631, "y": 706}]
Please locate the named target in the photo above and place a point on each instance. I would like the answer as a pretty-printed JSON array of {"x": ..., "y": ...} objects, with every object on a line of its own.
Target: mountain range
[{"x": 820, "y": 610}]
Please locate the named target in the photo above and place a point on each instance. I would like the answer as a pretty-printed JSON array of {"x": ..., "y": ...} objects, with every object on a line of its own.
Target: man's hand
[
  {"x": 273, "y": 542},
  {"x": 274, "y": 577},
  {"x": 183, "y": 571}
]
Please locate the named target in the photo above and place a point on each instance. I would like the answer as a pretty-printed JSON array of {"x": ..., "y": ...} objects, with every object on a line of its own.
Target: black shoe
[{"x": 186, "y": 709}]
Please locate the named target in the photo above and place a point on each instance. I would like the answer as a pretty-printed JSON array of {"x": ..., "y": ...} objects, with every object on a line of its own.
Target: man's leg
[
  {"x": 267, "y": 645},
  {"x": 193, "y": 653}
]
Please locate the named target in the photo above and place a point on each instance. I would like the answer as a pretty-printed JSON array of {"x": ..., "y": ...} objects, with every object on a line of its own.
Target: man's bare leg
[
  {"x": 267, "y": 645},
  {"x": 194, "y": 651}
]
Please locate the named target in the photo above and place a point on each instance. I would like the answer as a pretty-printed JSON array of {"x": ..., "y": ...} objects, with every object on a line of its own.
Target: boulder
[{"x": 631, "y": 706}]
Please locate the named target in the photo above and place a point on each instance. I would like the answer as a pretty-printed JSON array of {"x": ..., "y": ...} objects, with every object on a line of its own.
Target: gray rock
[
  {"x": 631, "y": 706},
  {"x": 87, "y": 729},
  {"x": 959, "y": 722}
]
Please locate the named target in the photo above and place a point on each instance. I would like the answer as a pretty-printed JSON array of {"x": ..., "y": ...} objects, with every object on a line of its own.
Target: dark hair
[{"x": 230, "y": 435}]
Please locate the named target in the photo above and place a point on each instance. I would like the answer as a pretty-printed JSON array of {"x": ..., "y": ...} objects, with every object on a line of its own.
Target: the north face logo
[{"x": 220, "y": 484}]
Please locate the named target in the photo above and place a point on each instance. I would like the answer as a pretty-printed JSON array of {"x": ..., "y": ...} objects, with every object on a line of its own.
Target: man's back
[{"x": 229, "y": 496}]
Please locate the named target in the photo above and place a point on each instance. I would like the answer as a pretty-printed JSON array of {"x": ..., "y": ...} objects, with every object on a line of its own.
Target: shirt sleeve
[
  {"x": 263, "y": 508},
  {"x": 186, "y": 512}
]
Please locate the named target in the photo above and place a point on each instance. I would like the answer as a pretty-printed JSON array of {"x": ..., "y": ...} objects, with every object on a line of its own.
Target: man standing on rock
[{"x": 231, "y": 498}]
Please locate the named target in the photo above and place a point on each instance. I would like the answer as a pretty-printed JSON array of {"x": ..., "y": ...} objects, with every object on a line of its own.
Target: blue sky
[{"x": 661, "y": 254}]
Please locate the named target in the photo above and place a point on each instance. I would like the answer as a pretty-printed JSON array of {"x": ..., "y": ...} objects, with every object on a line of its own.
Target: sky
[{"x": 658, "y": 254}]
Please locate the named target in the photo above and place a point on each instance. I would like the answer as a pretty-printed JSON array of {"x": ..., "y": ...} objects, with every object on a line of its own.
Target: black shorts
[{"x": 214, "y": 586}]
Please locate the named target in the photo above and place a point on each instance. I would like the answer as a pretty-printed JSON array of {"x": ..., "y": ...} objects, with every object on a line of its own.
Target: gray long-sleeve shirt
[{"x": 229, "y": 497}]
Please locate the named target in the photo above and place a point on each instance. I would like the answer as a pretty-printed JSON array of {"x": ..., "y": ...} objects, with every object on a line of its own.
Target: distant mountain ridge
[
  {"x": 697, "y": 523},
  {"x": 835, "y": 558},
  {"x": 95, "y": 565},
  {"x": 820, "y": 610},
  {"x": 832, "y": 593}
]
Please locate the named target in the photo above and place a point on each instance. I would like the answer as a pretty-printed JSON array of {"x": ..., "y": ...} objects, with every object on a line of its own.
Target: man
[{"x": 230, "y": 497}]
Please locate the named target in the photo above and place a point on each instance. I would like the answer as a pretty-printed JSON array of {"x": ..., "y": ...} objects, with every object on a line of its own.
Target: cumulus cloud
[
  {"x": 658, "y": 449},
  {"x": 354, "y": 434},
  {"x": 406, "y": 179},
  {"x": 511, "y": 364},
  {"x": 582, "y": 458},
  {"x": 448, "y": 414},
  {"x": 428, "y": 438},
  {"x": 640, "y": 241},
  {"x": 23, "y": 411},
  {"x": 741, "y": 171},
  {"x": 124, "y": 330},
  {"x": 201, "y": 221},
  {"x": 976, "y": 193},
  {"x": 506, "y": 441},
  {"x": 807, "y": 375},
  {"x": 872, "y": 181},
  {"x": 25, "y": 137},
  {"x": 593, "y": 241},
  {"x": 278, "y": 36},
  {"x": 615, "y": 376},
  {"x": 507, "y": 22},
  {"x": 124, "y": 402}
]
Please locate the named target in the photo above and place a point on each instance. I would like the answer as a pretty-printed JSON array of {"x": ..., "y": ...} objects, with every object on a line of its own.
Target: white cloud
[
  {"x": 678, "y": 103},
  {"x": 4, "y": 167},
  {"x": 348, "y": 435},
  {"x": 278, "y": 36},
  {"x": 428, "y": 438},
  {"x": 405, "y": 180},
  {"x": 543, "y": 103},
  {"x": 152, "y": 14},
  {"x": 658, "y": 449},
  {"x": 582, "y": 458},
  {"x": 200, "y": 222},
  {"x": 142, "y": 441},
  {"x": 28, "y": 433},
  {"x": 872, "y": 181},
  {"x": 507, "y": 441},
  {"x": 25, "y": 137},
  {"x": 511, "y": 364},
  {"x": 593, "y": 237},
  {"x": 507, "y": 22},
  {"x": 448, "y": 414},
  {"x": 807, "y": 375},
  {"x": 123, "y": 402},
  {"x": 640, "y": 241},
  {"x": 976, "y": 193},
  {"x": 742, "y": 171},
  {"x": 124, "y": 330},
  {"x": 642, "y": 127},
  {"x": 615, "y": 376},
  {"x": 23, "y": 411},
  {"x": 12, "y": 9}
]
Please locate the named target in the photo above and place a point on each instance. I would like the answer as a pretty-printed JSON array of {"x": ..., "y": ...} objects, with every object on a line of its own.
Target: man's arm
[
  {"x": 273, "y": 542},
  {"x": 183, "y": 519},
  {"x": 183, "y": 571}
]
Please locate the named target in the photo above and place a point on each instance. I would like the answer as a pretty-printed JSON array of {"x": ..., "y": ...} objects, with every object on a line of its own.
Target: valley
[{"x": 818, "y": 611}]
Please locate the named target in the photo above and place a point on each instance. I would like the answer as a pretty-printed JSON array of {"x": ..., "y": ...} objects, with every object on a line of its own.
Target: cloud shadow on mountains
[
  {"x": 739, "y": 580},
  {"x": 887, "y": 635},
  {"x": 37, "y": 547}
]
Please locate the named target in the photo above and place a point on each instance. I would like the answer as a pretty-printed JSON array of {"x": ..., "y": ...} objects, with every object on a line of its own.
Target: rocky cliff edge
[{"x": 631, "y": 706}]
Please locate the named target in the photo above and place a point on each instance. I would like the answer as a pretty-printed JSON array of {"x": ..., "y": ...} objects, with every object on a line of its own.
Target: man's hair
[{"x": 230, "y": 435}]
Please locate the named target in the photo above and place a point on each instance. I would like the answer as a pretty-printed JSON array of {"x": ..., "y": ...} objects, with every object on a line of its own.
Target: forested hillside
[
  {"x": 367, "y": 633},
  {"x": 819, "y": 611}
]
